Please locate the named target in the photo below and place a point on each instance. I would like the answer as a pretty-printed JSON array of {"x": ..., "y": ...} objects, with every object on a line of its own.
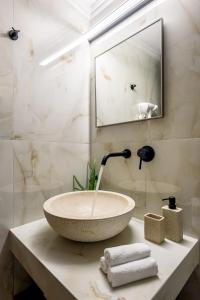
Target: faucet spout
[{"x": 126, "y": 154}]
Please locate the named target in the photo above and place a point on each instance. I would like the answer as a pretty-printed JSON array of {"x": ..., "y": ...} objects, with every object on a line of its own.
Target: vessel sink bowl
[{"x": 88, "y": 217}]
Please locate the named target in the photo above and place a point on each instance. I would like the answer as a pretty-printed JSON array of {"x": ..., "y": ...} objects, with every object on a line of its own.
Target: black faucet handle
[
  {"x": 146, "y": 153},
  {"x": 140, "y": 163},
  {"x": 127, "y": 153}
]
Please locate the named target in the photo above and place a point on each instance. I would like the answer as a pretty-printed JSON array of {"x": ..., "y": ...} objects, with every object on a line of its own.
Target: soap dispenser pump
[
  {"x": 172, "y": 202},
  {"x": 173, "y": 220}
]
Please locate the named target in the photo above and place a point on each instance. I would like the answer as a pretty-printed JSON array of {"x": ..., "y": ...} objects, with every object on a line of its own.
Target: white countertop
[{"x": 64, "y": 269}]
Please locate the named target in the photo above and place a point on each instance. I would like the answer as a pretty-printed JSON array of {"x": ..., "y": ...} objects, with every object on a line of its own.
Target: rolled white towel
[
  {"x": 126, "y": 253},
  {"x": 103, "y": 265},
  {"x": 132, "y": 271}
]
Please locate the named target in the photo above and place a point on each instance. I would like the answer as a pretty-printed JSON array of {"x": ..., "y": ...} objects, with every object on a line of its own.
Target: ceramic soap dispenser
[{"x": 173, "y": 220}]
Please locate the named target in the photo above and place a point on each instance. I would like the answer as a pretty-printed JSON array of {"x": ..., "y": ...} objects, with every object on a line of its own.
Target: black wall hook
[
  {"x": 132, "y": 86},
  {"x": 146, "y": 153},
  {"x": 13, "y": 34}
]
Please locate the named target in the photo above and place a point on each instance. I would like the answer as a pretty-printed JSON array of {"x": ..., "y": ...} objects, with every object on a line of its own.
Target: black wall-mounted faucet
[
  {"x": 146, "y": 153},
  {"x": 126, "y": 154}
]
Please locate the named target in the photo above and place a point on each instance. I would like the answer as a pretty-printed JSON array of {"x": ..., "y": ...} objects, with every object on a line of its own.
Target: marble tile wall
[
  {"x": 44, "y": 114},
  {"x": 176, "y": 167},
  {"x": 6, "y": 217},
  {"x": 43, "y": 169},
  {"x": 6, "y": 72},
  {"x": 176, "y": 137},
  {"x": 6, "y": 153}
]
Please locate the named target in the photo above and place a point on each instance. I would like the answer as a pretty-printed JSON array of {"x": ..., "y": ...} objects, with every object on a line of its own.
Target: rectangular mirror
[{"x": 129, "y": 79}]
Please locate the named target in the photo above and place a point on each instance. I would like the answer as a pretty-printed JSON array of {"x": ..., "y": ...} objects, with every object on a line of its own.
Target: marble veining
[
  {"x": 59, "y": 113},
  {"x": 181, "y": 73},
  {"x": 44, "y": 115},
  {"x": 175, "y": 138},
  {"x": 45, "y": 253},
  {"x": 43, "y": 102},
  {"x": 42, "y": 170}
]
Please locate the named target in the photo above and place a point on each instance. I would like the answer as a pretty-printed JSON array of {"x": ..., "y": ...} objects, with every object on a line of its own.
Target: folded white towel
[
  {"x": 132, "y": 271},
  {"x": 126, "y": 253},
  {"x": 103, "y": 265}
]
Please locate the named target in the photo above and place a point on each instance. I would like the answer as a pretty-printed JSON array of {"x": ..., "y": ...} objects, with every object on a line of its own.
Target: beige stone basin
[{"x": 74, "y": 215}]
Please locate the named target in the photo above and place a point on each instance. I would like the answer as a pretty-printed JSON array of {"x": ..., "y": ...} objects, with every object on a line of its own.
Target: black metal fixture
[
  {"x": 132, "y": 86},
  {"x": 172, "y": 202},
  {"x": 146, "y": 153},
  {"x": 126, "y": 154},
  {"x": 13, "y": 34}
]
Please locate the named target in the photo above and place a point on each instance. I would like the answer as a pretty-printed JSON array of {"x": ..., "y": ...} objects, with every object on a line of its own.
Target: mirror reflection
[{"x": 129, "y": 79}]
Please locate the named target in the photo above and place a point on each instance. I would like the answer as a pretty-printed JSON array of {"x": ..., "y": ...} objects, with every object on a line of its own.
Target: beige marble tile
[
  {"x": 6, "y": 71},
  {"x": 42, "y": 170},
  {"x": 50, "y": 22},
  {"x": 6, "y": 103},
  {"x": 55, "y": 103},
  {"x": 37, "y": 102},
  {"x": 176, "y": 171},
  {"x": 49, "y": 103},
  {"x": 181, "y": 73},
  {"x": 6, "y": 218},
  {"x": 6, "y": 190},
  {"x": 57, "y": 264}
]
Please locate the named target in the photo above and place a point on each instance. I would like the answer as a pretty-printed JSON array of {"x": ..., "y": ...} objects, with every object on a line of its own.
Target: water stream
[
  {"x": 99, "y": 178},
  {"x": 97, "y": 188}
]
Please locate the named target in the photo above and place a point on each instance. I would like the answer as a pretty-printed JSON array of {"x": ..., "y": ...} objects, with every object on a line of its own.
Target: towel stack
[{"x": 128, "y": 263}]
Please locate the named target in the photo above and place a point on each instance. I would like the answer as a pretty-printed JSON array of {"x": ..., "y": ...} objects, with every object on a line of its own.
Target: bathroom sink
[{"x": 88, "y": 216}]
